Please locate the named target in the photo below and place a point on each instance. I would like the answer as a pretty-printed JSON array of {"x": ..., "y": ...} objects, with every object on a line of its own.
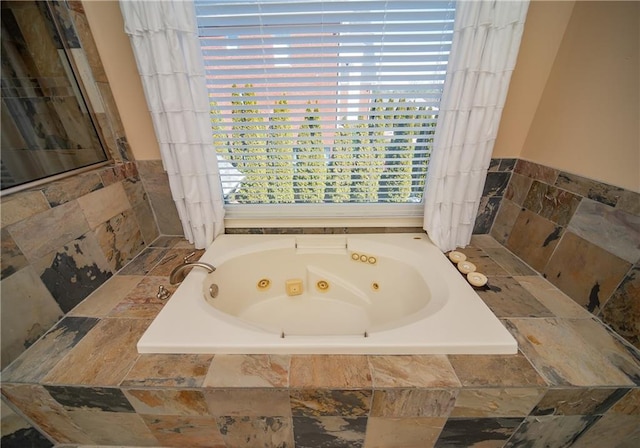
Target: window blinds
[{"x": 324, "y": 101}]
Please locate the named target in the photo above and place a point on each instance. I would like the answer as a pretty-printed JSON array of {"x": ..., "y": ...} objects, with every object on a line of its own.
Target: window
[{"x": 324, "y": 102}]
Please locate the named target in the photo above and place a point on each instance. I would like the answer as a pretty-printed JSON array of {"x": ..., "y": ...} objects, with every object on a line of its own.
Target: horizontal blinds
[{"x": 324, "y": 101}]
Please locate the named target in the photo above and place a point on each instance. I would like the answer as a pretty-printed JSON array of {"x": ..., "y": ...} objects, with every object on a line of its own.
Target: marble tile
[
  {"x": 142, "y": 301},
  {"x": 120, "y": 239},
  {"x": 167, "y": 401},
  {"x": 552, "y": 298},
  {"x": 551, "y": 430},
  {"x": 629, "y": 201},
  {"x": 113, "y": 174},
  {"x": 90, "y": 398},
  {"x": 585, "y": 272},
  {"x": 343, "y": 403},
  {"x": 413, "y": 402},
  {"x": 477, "y": 432},
  {"x": 248, "y": 402},
  {"x": 505, "y": 219},
  {"x": 333, "y": 372},
  {"x": 114, "y": 117},
  {"x": 588, "y": 188},
  {"x": 329, "y": 432},
  {"x": 12, "y": 259},
  {"x": 20, "y": 206},
  {"x": 412, "y": 371},
  {"x": 510, "y": 402},
  {"x": 166, "y": 242},
  {"x": 36, "y": 404},
  {"x": 487, "y": 265},
  {"x": 506, "y": 298},
  {"x": 103, "y": 357},
  {"x": 156, "y": 184},
  {"x": 146, "y": 221},
  {"x": 484, "y": 242},
  {"x": 495, "y": 371},
  {"x": 552, "y": 203},
  {"x": 620, "y": 353},
  {"x": 615, "y": 231},
  {"x": 41, "y": 357},
  {"x": 507, "y": 164},
  {"x": 18, "y": 432},
  {"x": 629, "y": 404},
  {"x": 47, "y": 231},
  {"x": 534, "y": 239},
  {"x": 249, "y": 371},
  {"x": 494, "y": 165},
  {"x": 487, "y": 211},
  {"x": 164, "y": 370},
  {"x": 102, "y": 205},
  {"x": 183, "y": 431},
  {"x": 496, "y": 184},
  {"x": 100, "y": 302},
  {"x": 113, "y": 428},
  {"x": 10, "y": 421},
  {"x": 173, "y": 258},
  {"x": 509, "y": 262},
  {"x": 582, "y": 401},
  {"x": 402, "y": 432},
  {"x": 144, "y": 262},
  {"x": 28, "y": 311},
  {"x": 536, "y": 172},
  {"x": 71, "y": 188},
  {"x": 557, "y": 348},
  {"x": 135, "y": 191},
  {"x": 612, "y": 431},
  {"x": 256, "y": 432},
  {"x": 74, "y": 271},
  {"x": 518, "y": 188}
]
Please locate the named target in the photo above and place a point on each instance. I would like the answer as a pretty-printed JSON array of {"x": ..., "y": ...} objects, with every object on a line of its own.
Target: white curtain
[
  {"x": 485, "y": 46},
  {"x": 165, "y": 43}
]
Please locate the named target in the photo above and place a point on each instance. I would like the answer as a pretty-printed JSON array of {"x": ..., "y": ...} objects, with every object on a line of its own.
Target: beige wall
[
  {"x": 543, "y": 32},
  {"x": 573, "y": 103},
  {"x": 105, "y": 20},
  {"x": 587, "y": 119}
]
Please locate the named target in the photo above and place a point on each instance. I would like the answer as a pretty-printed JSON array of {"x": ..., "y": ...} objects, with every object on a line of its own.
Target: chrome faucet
[{"x": 178, "y": 274}]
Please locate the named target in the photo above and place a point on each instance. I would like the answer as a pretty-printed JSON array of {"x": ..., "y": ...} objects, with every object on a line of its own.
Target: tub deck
[
  {"x": 454, "y": 321},
  {"x": 84, "y": 382}
]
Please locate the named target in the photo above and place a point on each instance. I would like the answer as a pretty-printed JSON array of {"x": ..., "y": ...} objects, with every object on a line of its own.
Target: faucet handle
[
  {"x": 163, "y": 293},
  {"x": 188, "y": 257}
]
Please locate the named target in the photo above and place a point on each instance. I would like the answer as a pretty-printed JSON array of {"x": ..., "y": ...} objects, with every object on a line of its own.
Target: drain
[
  {"x": 263, "y": 284},
  {"x": 375, "y": 286},
  {"x": 322, "y": 285}
]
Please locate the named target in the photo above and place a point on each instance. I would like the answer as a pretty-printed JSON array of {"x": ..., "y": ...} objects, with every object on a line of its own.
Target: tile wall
[
  {"x": 580, "y": 234},
  {"x": 62, "y": 240}
]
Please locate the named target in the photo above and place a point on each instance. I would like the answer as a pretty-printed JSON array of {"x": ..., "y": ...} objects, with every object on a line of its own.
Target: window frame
[{"x": 402, "y": 214}]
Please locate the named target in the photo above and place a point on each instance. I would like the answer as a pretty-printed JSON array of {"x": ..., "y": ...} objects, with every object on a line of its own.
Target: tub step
[{"x": 331, "y": 244}]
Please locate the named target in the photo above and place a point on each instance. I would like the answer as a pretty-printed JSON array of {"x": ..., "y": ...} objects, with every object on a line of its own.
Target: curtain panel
[
  {"x": 485, "y": 46},
  {"x": 164, "y": 39}
]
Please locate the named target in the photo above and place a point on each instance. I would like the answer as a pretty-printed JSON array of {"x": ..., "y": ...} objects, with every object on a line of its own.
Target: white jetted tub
[{"x": 315, "y": 294}]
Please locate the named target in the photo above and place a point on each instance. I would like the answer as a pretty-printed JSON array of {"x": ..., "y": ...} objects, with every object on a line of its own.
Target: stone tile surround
[
  {"x": 61, "y": 241},
  {"x": 573, "y": 381},
  {"x": 580, "y": 234}
]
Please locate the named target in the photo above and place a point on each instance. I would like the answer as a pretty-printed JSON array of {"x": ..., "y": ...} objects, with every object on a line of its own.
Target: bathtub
[{"x": 326, "y": 294}]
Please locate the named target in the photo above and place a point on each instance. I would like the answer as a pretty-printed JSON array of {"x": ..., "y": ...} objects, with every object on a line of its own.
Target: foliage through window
[{"x": 324, "y": 101}]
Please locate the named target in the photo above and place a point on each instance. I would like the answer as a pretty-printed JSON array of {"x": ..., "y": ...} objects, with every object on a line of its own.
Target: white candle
[
  {"x": 477, "y": 279},
  {"x": 456, "y": 256},
  {"x": 466, "y": 266}
]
